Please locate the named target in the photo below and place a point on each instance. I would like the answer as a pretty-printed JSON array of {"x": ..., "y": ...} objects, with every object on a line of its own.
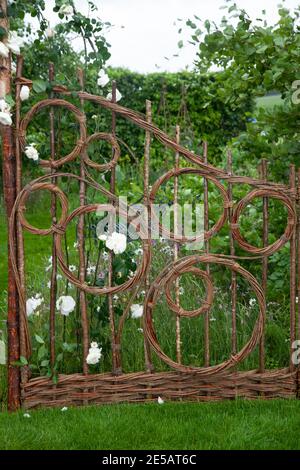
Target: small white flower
[
  {"x": 118, "y": 96},
  {"x": 65, "y": 408},
  {"x": 50, "y": 32},
  {"x": 31, "y": 152},
  {"x": 252, "y": 302},
  {"x": 139, "y": 251},
  {"x": 98, "y": 309},
  {"x": 5, "y": 119},
  {"x": 94, "y": 117},
  {"x": 181, "y": 290},
  {"x": 103, "y": 78},
  {"x": 49, "y": 284},
  {"x": 116, "y": 242},
  {"x": 140, "y": 330},
  {"x": 160, "y": 401},
  {"x": 32, "y": 304},
  {"x": 136, "y": 310},
  {"x": 24, "y": 93},
  {"x": 95, "y": 354},
  {"x": 297, "y": 300},
  {"x": 65, "y": 304},
  {"x": 66, "y": 9},
  {"x": 4, "y": 51},
  {"x": 212, "y": 319},
  {"x": 90, "y": 270},
  {"x": 58, "y": 277},
  {"x": 26, "y": 415},
  {"x": 72, "y": 268},
  {"x": 14, "y": 42}
]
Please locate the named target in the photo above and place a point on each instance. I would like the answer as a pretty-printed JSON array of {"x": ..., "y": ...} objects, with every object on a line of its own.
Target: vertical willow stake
[
  {"x": 265, "y": 261},
  {"x": 25, "y": 372},
  {"x": 207, "y": 247},
  {"x": 53, "y": 287},
  {"x": 293, "y": 271},
  {"x": 115, "y": 347},
  {"x": 82, "y": 260},
  {"x": 9, "y": 187},
  {"x": 176, "y": 249},
  {"x": 232, "y": 253},
  {"x": 148, "y": 360}
]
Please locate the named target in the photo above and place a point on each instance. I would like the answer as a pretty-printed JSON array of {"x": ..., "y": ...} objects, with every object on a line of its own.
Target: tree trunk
[{"x": 9, "y": 188}]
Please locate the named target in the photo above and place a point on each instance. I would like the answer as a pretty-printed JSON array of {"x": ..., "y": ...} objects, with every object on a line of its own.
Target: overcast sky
[{"x": 149, "y": 34}]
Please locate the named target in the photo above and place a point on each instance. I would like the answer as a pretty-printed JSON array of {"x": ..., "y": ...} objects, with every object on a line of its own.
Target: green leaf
[
  {"x": 21, "y": 362},
  {"x": 39, "y": 339},
  {"x": 42, "y": 352},
  {"x": 59, "y": 357},
  {"x": 39, "y": 86}
]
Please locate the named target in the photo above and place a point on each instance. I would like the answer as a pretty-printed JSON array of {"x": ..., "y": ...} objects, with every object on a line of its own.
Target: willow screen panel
[{"x": 134, "y": 294}]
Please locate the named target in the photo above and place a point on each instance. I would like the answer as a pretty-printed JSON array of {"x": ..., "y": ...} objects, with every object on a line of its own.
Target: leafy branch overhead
[{"x": 73, "y": 23}]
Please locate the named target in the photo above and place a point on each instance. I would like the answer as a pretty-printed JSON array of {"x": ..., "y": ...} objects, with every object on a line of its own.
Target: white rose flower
[
  {"x": 65, "y": 304},
  {"x": 14, "y": 42},
  {"x": 24, "y": 93},
  {"x": 31, "y": 152},
  {"x": 32, "y": 305},
  {"x": 4, "y": 106},
  {"x": 5, "y": 118},
  {"x": 66, "y": 9},
  {"x": 103, "y": 78},
  {"x": 116, "y": 242},
  {"x": 136, "y": 310},
  {"x": 4, "y": 51},
  {"x": 118, "y": 96},
  {"x": 95, "y": 354}
]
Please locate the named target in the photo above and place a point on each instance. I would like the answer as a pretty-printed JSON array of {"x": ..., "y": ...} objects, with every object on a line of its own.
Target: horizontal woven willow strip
[{"x": 77, "y": 389}]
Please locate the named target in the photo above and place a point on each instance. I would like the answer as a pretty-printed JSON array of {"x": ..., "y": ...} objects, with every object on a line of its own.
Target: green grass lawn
[{"x": 243, "y": 425}]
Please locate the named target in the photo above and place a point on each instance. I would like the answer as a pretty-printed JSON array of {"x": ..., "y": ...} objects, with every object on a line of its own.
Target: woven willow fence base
[{"x": 78, "y": 389}]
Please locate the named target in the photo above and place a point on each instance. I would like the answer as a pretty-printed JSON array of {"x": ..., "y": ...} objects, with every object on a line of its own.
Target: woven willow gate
[{"x": 208, "y": 382}]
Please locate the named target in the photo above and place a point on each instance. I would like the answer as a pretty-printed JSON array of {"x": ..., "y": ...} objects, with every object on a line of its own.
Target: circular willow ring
[
  {"x": 209, "y": 289},
  {"x": 55, "y": 228},
  {"x": 159, "y": 284},
  {"x": 206, "y": 235},
  {"x": 138, "y": 276},
  {"x": 292, "y": 217},
  {"x": 116, "y": 154},
  {"x": 80, "y": 117}
]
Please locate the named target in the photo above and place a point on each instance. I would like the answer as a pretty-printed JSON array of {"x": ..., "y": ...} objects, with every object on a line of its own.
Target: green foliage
[
  {"x": 90, "y": 27},
  {"x": 193, "y": 101},
  {"x": 256, "y": 59}
]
